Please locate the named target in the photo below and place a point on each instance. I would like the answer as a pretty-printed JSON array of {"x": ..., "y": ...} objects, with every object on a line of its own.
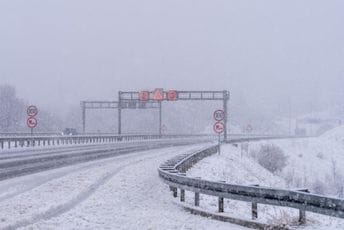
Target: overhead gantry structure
[{"x": 153, "y": 100}]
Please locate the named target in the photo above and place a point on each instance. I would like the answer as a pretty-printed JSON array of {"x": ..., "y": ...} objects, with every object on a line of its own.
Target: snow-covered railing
[
  {"x": 23, "y": 134},
  {"x": 32, "y": 141},
  {"x": 173, "y": 171}
]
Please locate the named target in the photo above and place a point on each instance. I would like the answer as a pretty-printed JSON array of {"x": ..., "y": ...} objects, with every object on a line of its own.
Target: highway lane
[{"x": 19, "y": 163}]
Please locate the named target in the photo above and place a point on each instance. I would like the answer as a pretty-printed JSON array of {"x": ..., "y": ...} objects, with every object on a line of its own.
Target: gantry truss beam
[
  {"x": 181, "y": 95},
  {"x": 124, "y": 104}
]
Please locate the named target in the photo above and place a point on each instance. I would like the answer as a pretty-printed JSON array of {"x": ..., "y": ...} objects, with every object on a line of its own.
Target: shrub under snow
[{"x": 271, "y": 157}]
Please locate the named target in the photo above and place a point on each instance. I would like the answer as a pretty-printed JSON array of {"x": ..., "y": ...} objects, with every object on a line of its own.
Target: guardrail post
[
  {"x": 175, "y": 192},
  {"x": 221, "y": 201},
  {"x": 197, "y": 195},
  {"x": 182, "y": 195},
  {"x": 254, "y": 210},
  {"x": 302, "y": 216},
  {"x": 302, "y": 213},
  {"x": 255, "y": 207},
  {"x": 221, "y": 206},
  {"x": 182, "y": 191},
  {"x": 196, "y": 198}
]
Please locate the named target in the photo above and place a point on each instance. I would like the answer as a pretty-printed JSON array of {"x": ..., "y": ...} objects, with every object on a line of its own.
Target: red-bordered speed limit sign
[
  {"x": 32, "y": 111},
  {"x": 219, "y": 127},
  {"x": 31, "y": 122},
  {"x": 219, "y": 115}
]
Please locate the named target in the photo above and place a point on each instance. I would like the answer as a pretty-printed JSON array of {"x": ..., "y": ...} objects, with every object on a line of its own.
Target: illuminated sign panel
[
  {"x": 158, "y": 95},
  {"x": 143, "y": 95},
  {"x": 171, "y": 95}
]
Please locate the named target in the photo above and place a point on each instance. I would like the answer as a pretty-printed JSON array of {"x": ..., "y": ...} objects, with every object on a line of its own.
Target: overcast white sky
[{"x": 64, "y": 51}]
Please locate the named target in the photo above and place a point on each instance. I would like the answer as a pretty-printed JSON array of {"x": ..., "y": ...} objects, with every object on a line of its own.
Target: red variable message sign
[
  {"x": 144, "y": 95},
  {"x": 158, "y": 95},
  {"x": 171, "y": 95}
]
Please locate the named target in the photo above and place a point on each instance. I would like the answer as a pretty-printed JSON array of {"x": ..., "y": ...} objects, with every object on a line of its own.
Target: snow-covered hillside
[{"x": 313, "y": 163}]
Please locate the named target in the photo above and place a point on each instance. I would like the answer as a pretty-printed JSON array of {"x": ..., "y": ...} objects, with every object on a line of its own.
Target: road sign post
[{"x": 219, "y": 127}]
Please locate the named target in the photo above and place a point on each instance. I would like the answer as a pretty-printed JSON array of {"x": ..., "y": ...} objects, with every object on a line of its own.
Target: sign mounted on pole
[
  {"x": 32, "y": 111},
  {"x": 31, "y": 122},
  {"x": 219, "y": 115},
  {"x": 219, "y": 127}
]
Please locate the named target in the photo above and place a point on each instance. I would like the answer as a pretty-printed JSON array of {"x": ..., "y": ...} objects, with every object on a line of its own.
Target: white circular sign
[{"x": 219, "y": 115}]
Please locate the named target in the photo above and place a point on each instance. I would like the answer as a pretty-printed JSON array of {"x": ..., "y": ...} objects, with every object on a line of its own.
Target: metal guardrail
[
  {"x": 25, "y": 134},
  {"x": 173, "y": 171},
  {"x": 32, "y": 141},
  {"x": 15, "y": 140}
]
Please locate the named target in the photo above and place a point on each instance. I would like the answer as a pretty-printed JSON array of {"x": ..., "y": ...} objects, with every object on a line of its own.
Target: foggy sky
[{"x": 58, "y": 52}]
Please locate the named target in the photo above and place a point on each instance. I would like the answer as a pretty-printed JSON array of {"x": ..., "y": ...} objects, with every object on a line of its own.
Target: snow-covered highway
[
  {"x": 25, "y": 161},
  {"x": 122, "y": 192}
]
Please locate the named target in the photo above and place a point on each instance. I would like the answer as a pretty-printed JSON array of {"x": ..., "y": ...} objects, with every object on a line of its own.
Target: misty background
[{"x": 279, "y": 60}]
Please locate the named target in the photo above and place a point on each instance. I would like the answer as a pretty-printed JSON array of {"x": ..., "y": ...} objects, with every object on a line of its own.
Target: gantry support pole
[
  {"x": 119, "y": 113},
  {"x": 225, "y": 109},
  {"x": 83, "y": 111},
  {"x": 160, "y": 118}
]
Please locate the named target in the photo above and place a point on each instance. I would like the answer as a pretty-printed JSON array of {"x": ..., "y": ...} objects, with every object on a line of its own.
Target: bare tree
[{"x": 11, "y": 110}]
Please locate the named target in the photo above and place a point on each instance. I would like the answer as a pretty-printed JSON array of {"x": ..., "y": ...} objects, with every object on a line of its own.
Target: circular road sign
[
  {"x": 219, "y": 127},
  {"x": 32, "y": 111},
  {"x": 31, "y": 122},
  {"x": 219, "y": 115}
]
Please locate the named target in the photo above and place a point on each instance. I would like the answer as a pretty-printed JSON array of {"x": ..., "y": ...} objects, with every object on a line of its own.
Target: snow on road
[{"x": 118, "y": 193}]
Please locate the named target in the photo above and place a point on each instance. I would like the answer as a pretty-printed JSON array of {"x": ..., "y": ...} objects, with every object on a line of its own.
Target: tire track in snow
[
  {"x": 82, "y": 196},
  {"x": 4, "y": 195},
  {"x": 56, "y": 175}
]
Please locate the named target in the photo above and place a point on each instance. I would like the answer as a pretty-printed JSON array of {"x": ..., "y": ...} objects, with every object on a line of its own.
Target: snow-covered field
[
  {"x": 311, "y": 162},
  {"x": 118, "y": 193}
]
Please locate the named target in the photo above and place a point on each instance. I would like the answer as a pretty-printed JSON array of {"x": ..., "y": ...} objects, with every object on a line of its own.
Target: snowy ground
[
  {"x": 314, "y": 163},
  {"x": 309, "y": 159},
  {"x": 118, "y": 193}
]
